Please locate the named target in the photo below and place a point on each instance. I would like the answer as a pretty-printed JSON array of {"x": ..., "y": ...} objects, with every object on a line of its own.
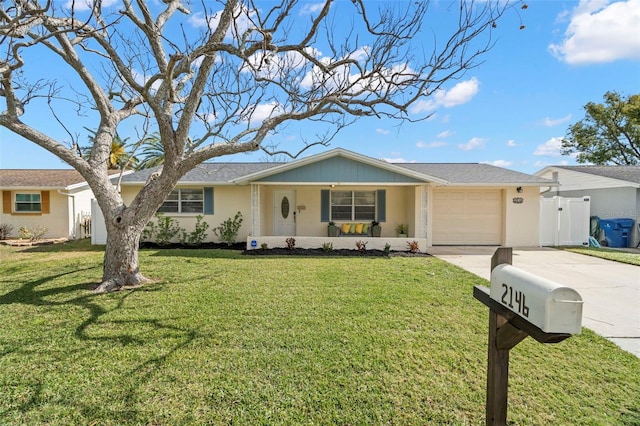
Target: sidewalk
[{"x": 610, "y": 290}]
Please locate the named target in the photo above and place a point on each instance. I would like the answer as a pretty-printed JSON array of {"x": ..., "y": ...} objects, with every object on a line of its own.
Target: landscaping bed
[{"x": 283, "y": 251}]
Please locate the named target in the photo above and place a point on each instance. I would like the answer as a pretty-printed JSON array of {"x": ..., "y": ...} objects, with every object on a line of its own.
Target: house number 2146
[{"x": 514, "y": 299}]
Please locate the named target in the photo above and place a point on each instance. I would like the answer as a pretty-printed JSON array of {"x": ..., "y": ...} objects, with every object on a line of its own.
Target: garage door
[{"x": 467, "y": 217}]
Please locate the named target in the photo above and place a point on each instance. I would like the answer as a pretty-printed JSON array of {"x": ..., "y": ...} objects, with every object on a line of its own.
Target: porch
[{"x": 372, "y": 243}]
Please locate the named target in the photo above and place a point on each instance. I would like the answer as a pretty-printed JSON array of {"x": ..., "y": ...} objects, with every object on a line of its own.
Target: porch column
[
  {"x": 421, "y": 211},
  {"x": 255, "y": 211}
]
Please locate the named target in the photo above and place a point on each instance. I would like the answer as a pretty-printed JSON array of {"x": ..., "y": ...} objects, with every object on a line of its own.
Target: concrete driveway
[{"x": 610, "y": 290}]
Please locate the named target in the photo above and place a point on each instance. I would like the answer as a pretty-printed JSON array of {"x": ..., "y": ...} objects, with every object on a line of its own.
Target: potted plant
[
  {"x": 333, "y": 229},
  {"x": 402, "y": 230},
  {"x": 376, "y": 229}
]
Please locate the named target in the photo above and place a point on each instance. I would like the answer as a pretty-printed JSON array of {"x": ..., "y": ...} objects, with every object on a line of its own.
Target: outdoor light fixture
[{"x": 519, "y": 189}]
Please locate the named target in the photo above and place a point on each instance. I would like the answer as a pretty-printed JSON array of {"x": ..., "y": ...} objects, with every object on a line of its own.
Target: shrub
[
  {"x": 264, "y": 246},
  {"x": 291, "y": 243},
  {"x": 5, "y": 231},
  {"x": 327, "y": 247},
  {"x": 196, "y": 236},
  {"x": 228, "y": 230},
  {"x": 361, "y": 246},
  {"x": 413, "y": 246},
  {"x": 32, "y": 234},
  {"x": 166, "y": 229},
  {"x": 387, "y": 248}
]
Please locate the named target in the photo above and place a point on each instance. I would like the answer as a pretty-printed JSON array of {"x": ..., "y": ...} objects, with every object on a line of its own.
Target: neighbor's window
[
  {"x": 353, "y": 205},
  {"x": 28, "y": 203},
  {"x": 183, "y": 201}
]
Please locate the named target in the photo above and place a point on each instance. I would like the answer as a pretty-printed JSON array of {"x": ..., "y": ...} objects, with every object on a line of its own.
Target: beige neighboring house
[
  {"x": 442, "y": 204},
  {"x": 59, "y": 200}
]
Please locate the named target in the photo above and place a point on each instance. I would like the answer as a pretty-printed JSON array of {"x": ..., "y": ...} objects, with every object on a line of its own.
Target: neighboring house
[
  {"x": 614, "y": 190},
  {"x": 455, "y": 204},
  {"x": 58, "y": 200}
]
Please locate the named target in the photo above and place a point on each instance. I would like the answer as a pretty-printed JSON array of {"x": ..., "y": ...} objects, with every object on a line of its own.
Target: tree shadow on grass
[{"x": 97, "y": 306}]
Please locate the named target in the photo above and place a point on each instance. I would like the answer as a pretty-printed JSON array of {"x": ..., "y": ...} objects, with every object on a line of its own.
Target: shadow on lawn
[{"x": 137, "y": 375}]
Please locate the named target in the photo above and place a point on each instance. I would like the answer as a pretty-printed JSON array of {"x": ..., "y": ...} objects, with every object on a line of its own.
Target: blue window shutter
[
  {"x": 382, "y": 205},
  {"x": 208, "y": 201},
  {"x": 324, "y": 205}
]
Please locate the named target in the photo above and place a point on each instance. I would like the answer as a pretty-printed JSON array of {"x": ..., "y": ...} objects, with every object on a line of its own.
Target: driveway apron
[{"x": 610, "y": 290}]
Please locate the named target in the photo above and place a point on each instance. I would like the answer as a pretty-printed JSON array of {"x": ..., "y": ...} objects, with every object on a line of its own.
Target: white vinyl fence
[
  {"x": 565, "y": 221},
  {"x": 98, "y": 228}
]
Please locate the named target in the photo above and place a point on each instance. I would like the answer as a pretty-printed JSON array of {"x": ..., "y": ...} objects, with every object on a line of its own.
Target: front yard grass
[
  {"x": 606, "y": 253},
  {"x": 222, "y": 338}
]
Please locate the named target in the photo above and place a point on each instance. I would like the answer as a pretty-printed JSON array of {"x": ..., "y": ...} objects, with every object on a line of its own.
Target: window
[
  {"x": 353, "y": 205},
  {"x": 28, "y": 203},
  {"x": 183, "y": 201}
]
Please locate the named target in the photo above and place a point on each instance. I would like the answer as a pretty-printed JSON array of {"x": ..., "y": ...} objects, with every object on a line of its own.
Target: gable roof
[
  {"x": 231, "y": 173},
  {"x": 624, "y": 173},
  {"x": 339, "y": 153}
]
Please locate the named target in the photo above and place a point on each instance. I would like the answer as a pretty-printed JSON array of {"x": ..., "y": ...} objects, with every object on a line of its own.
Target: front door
[{"x": 284, "y": 212}]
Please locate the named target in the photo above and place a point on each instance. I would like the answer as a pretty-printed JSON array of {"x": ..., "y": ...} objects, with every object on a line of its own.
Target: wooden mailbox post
[{"x": 521, "y": 304}]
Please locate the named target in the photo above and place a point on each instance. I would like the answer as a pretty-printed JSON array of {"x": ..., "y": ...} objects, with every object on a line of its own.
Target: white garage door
[{"x": 467, "y": 216}]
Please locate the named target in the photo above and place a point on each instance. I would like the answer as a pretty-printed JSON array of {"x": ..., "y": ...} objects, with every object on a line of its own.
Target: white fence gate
[
  {"x": 565, "y": 221},
  {"x": 98, "y": 228}
]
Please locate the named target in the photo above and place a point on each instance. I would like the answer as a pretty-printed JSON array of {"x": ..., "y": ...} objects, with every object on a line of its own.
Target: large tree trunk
[{"x": 121, "y": 267}]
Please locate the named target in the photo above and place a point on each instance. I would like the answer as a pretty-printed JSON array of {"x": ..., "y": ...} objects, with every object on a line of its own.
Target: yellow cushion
[
  {"x": 346, "y": 227},
  {"x": 359, "y": 228}
]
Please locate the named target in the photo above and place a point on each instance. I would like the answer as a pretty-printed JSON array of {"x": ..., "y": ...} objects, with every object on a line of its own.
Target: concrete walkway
[{"x": 610, "y": 290}]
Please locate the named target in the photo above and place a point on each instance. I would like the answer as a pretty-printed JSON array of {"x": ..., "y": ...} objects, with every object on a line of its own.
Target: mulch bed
[
  {"x": 281, "y": 251},
  {"x": 28, "y": 243}
]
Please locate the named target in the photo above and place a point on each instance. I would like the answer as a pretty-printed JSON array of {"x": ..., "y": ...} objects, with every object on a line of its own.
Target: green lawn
[
  {"x": 607, "y": 253},
  {"x": 222, "y": 338}
]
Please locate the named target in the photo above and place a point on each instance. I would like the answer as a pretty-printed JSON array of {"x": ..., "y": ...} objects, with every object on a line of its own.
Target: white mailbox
[{"x": 549, "y": 306}]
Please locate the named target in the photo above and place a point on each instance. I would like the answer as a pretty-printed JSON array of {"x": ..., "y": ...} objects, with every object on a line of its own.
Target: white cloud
[
  {"x": 551, "y": 122},
  {"x": 142, "y": 80},
  {"x": 550, "y": 148},
  {"x": 243, "y": 21},
  {"x": 311, "y": 8},
  {"x": 474, "y": 143},
  {"x": 498, "y": 163},
  {"x": 398, "y": 160},
  {"x": 459, "y": 94},
  {"x": 263, "y": 111},
  {"x": 382, "y": 131},
  {"x": 445, "y": 134},
  {"x": 600, "y": 31},
  {"x": 543, "y": 164},
  {"x": 82, "y": 5},
  {"x": 511, "y": 143},
  {"x": 436, "y": 144}
]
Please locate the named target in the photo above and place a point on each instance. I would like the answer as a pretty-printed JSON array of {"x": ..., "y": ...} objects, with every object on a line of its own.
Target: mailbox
[{"x": 549, "y": 306}]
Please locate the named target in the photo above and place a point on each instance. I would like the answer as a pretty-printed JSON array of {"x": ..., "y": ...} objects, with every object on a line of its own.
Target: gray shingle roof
[
  {"x": 474, "y": 173},
  {"x": 207, "y": 172},
  {"x": 25, "y": 178},
  {"x": 626, "y": 173},
  {"x": 454, "y": 173}
]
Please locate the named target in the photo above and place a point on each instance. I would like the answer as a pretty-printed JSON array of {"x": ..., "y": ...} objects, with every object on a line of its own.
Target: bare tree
[{"x": 248, "y": 72}]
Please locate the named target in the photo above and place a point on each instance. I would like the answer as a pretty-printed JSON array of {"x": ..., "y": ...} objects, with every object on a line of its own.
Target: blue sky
[{"x": 511, "y": 111}]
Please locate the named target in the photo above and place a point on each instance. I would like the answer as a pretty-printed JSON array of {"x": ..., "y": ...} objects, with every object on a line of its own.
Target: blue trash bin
[{"x": 617, "y": 232}]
